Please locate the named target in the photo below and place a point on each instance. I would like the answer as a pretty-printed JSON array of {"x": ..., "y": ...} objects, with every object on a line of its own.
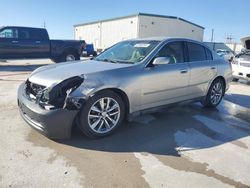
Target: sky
[{"x": 226, "y": 17}]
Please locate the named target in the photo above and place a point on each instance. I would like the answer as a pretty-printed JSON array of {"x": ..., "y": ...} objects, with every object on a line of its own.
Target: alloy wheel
[
  {"x": 70, "y": 57},
  {"x": 104, "y": 115},
  {"x": 216, "y": 93}
]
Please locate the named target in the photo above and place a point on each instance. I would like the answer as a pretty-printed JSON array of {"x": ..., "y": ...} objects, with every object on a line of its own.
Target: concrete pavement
[{"x": 183, "y": 146}]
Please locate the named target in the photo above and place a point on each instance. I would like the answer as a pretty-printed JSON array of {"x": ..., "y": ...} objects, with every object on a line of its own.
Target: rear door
[
  {"x": 202, "y": 67},
  {"x": 26, "y": 43},
  {"x": 42, "y": 43},
  {"x": 9, "y": 46},
  {"x": 34, "y": 43}
]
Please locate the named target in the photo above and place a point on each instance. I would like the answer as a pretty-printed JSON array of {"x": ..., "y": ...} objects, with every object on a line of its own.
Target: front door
[
  {"x": 8, "y": 43},
  {"x": 166, "y": 83}
]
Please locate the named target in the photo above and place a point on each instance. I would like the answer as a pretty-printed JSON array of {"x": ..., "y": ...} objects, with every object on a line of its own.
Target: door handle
[
  {"x": 183, "y": 71},
  {"x": 213, "y": 68},
  {"x": 14, "y": 41},
  {"x": 38, "y": 42}
]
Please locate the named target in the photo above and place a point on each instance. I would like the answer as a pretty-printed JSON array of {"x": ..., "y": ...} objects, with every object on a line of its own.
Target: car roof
[
  {"x": 162, "y": 39},
  {"x": 21, "y": 27}
]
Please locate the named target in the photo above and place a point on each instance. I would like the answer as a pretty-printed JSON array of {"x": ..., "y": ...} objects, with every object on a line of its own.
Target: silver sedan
[{"x": 130, "y": 77}]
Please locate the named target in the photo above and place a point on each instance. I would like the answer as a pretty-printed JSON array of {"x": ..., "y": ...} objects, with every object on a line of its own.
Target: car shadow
[
  {"x": 19, "y": 68},
  {"x": 182, "y": 126}
]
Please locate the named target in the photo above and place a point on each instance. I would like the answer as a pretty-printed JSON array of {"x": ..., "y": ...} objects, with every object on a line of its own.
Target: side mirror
[{"x": 161, "y": 61}]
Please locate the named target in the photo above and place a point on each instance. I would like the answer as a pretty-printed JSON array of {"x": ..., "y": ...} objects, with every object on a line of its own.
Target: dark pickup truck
[{"x": 31, "y": 43}]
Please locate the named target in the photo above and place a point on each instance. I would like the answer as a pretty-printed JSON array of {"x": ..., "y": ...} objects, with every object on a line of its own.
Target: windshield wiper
[
  {"x": 110, "y": 60},
  {"x": 114, "y": 61},
  {"x": 107, "y": 60}
]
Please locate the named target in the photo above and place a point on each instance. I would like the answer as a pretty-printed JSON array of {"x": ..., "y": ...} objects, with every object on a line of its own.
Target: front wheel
[
  {"x": 101, "y": 114},
  {"x": 215, "y": 94}
]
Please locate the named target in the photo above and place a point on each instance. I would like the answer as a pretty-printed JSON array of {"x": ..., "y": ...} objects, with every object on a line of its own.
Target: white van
[{"x": 241, "y": 62}]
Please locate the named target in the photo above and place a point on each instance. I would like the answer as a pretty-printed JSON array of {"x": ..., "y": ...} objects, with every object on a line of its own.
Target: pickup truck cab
[{"x": 31, "y": 43}]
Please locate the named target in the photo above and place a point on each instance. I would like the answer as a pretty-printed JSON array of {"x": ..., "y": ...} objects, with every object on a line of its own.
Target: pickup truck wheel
[
  {"x": 215, "y": 94},
  {"x": 70, "y": 56},
  {"x": 101, "y": 114}
]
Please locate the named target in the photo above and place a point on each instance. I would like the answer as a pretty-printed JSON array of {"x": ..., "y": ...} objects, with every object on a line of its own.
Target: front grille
[
  {"x": 33, "y": 89},
  {"x": 245, "y": 64}
]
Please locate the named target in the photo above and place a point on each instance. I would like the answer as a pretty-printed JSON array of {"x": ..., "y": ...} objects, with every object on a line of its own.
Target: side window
[
  {"x": 209, "y": 54},
  {"x": 196, "y": 52},
  {"x": 174, "y": 51},
  {"x": 8, "y": 33},
  {"x": 23, "y": 34},
  {"x": 38, "y": 34}
]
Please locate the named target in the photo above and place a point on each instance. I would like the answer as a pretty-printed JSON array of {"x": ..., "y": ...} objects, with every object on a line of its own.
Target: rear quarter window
[
  {"x": 209, "y": 54},
  {"x": 196, "y": 52}
]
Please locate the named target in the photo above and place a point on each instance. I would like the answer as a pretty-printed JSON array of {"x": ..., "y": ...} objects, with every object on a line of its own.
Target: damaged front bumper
[{"x": 56, "y": 123}]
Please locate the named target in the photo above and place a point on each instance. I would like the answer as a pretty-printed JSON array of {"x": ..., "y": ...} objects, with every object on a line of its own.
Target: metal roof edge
[
  {"x": 106, "y": 20},
  {"x": 171, "y": 17},
  {"x": 139, "y": 14}
]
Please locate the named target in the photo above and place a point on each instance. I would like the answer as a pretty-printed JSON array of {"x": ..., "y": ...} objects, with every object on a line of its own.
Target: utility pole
[
  {"x": 229, "y": 39},
  {"x": 212, "y": 37},
  {"x": 44, "y": 24}
]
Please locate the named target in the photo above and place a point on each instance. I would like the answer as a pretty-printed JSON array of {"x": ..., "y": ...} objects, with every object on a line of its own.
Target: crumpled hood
[{"x": 53, "y": 74}]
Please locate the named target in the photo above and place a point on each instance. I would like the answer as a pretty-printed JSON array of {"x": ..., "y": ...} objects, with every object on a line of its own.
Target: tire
[
  {"x": 235, "y": 79},
  {"x": 70, "y": 56},
  {"x": 215, "y": 94},
  {"x": 100, "y": 118},
  {"x": 94, "y": 54}
]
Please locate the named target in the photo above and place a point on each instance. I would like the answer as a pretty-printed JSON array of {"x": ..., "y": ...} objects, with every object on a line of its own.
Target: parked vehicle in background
[
  {"x": 241, "y": 66},
  {"x": 226, "y": 54},
  {"x": 222, "y": 50},
  {"x": 241, "y": 62},
  {"x": 89, "y": 51},
  {"x": 127, "y": 78},
  {"x": 31, "y": 43}
]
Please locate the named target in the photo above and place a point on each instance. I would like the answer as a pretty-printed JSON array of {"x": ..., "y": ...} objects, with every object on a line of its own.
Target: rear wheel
[
  {"x": 215, "y": 94},
  {"x": 70, "y": 56},
  {"x": 101, "y": 114}
]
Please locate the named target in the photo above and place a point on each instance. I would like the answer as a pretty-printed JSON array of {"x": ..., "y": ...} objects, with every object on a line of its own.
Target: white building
[{"x": 104, "y": 33}]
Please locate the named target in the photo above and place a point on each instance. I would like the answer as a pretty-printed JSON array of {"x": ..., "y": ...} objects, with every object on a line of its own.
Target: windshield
[{"x": 128, "y": 51}]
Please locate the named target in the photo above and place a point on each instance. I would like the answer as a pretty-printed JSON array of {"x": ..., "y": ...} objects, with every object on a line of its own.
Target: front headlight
[{"x": 57, "y": 95}]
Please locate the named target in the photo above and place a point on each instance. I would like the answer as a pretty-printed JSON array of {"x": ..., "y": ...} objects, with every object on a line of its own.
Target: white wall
[
  {"x": 105, "y": 34},
  {"x": 90, "y": 33},
  {"x": 157, "y": 26},
  {"x": 118, "y": 30}
]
